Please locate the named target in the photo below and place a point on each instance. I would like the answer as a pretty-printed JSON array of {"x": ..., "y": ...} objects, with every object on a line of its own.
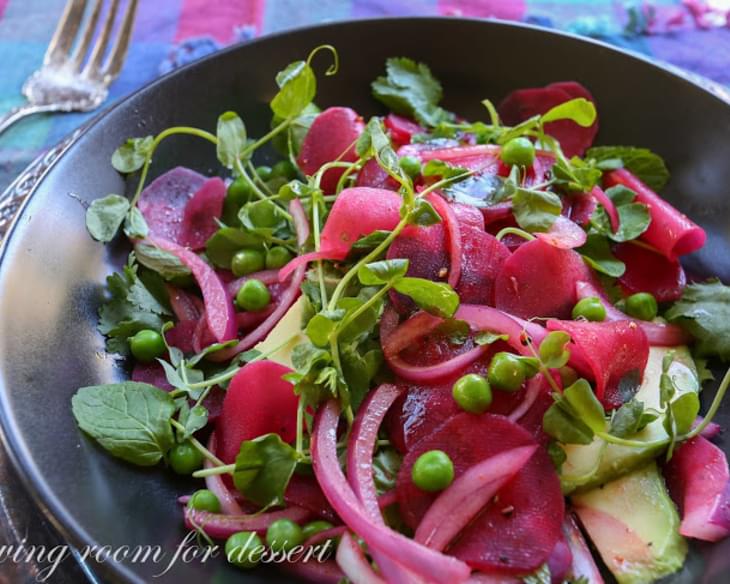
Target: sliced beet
[
  {"x": 468, "y": 215},
  {"x": 258, "y": 401},
  {"x": 525, "y": 103},
  {"x": 699, "y": 482},
  {"x": 519, "y": 530},
  {"x": 304, "y": 491},
  {"x": 181, "y": 335},
  {"x": 648, "y": 271},
  {"x": 331, "y": 137},
  {"x": 373, "y": 175},
  {"x": 613, "y": 354},
  {"x": 402, "y": 129},
  {"x": 151, "y": 373},
  {"x": 482, "y": 259},
  {"x": 560, "y": 560},
  {"x": 162, "y": 203},
  {"x": 539, "y": 279},
  {"x": 200, "y": 214},
  {"x": 582, "y": 208}
]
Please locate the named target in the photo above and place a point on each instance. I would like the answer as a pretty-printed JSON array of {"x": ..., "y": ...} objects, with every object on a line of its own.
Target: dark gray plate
[{"x": 51, "y": 276}]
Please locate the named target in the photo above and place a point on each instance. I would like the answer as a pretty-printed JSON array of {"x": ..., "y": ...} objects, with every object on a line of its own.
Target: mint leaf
[
  {"x": 434, "y": 297},
  {"x": 131, "y": 420},
  {"x": 231, "y": 134},
  {"x": 104, "y": 217},
  {"x": 298, "y": 86},
  {"x": 410, "y": 89},
  {"x": 535, "y": 210},
  {"x": 131, "y": 155},
  {"x": 264, "y": 467},
  {"x": 704, "y": 312},
  {"x": 645, "y": 164}
]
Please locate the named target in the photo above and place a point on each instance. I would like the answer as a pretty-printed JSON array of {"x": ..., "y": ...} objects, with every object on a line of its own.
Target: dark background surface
[{"x": 51, "y": 274}]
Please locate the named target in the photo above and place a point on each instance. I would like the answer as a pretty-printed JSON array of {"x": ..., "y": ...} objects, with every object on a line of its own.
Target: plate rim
[{"x": 21, "y": 459}]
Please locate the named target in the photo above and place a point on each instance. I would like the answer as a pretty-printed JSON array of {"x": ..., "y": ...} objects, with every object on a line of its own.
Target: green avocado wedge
[
  {"x": 634, "y": 526},
  {"x": 590, "y": 465}
]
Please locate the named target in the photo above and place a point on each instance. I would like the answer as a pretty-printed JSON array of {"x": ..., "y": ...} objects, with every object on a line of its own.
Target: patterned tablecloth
[{"x": 692, "y": 34}]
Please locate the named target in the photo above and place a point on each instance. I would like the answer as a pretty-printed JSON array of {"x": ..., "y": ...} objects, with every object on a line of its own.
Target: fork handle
[{"x": 18, "y": 113}]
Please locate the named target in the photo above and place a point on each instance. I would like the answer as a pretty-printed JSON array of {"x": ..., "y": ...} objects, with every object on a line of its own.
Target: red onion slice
[
  {"x": 315, "y": 571},
  {"x": 608, "y": 205},
  {"x": 455, "y": 507},
  {"x": 352, "y": 561},
  {"x": 428, "y": 564},
  {"x": 287, "y": 298},
  {"x": 182, "y": 304},
  {"x": 454, "y": 234},
  {"x": 219, "y": 526},
  {"x": 433, "y": 372},
  {"x": 583, "y": 563},
  {"x": 534, "y": 386},
  {"x": 214, "y": 483},
  {"x": 659, "y": 335}
]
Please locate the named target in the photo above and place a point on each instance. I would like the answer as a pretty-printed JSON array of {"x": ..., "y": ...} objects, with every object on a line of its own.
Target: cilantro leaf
[
  {"x": 410, "y": 89},
  {"x": 264, "y": 467},
  {"x": 104, "y": 217},
  {"x": 131, "y": 308},
  {"x": 704, "y": 312},
  {"x": 642, "y": 162},
  {"x": 131, "y": 420}
]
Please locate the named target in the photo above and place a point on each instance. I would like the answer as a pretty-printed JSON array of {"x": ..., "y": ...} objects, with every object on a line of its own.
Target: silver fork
[{"x": 68, "y": 80}]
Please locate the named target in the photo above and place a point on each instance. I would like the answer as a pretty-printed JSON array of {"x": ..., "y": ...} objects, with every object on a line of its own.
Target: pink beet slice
[
  {"x": 648, "y": 271},
  {"x": 181, "y": 335},
  {"x": 201, "y": 212},
  {"x": 613, "y": 354},
  {"x": 331, "y": 137},
  {"x": 518, "y": 532},
  {"x": 539, "y": 279},
  {"x": 560, "y": 560},
  {"x": 151, "y": 373},
  {"x": 671, "y": 232},
  {"x": 402, "y": 129},
  {"x": 305, "y": 492},
  {"x": 357, "y": 212},
  {"x": 162, "y": 203},
  {"x": 218, "y": 305},
  {"x": 698, "y": 479},
  {"x": 258, "y": 401},
  {"x": 525, "y": 103}
]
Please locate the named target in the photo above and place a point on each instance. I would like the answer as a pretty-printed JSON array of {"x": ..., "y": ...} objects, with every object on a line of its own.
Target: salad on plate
[{"x": 427, "y": 348}]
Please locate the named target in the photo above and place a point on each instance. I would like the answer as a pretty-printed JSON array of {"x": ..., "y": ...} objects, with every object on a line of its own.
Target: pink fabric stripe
[
  {"x": 218, "y": 18},
  {"x": 512, "y": 10},
  {"x": 3, "y": 6}
]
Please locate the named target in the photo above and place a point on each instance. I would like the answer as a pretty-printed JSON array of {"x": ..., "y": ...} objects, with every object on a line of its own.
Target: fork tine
[
  {"x": 65, "y": 33},
  {"x": 88, "y": 34},
  {"x": 93, "y": 67},
  {"x": 119, "y": 51}
]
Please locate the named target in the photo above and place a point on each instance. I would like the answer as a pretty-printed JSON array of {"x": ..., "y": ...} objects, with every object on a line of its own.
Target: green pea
[
  {"x": 313, "y": 528},
  {"x": 239, "y": 191},
  {"x": 263, "y": 214},
  {"x": 205, "y": 500},
  {"x": 433, "y": 471},
  {"x": 284, "y": 169},
  {"x": 506, "y": 372},
  {"x": 185, "y": 459},
  {"x": 519, "y": 151},
  {"x": 247, "y": 261},
  {"x": 284, "y": 535},
  {"x": 264, "y": 172},
  {"x": 277, "y": 257},
  {"x": 472, "y": 393},
  {"x": 147, "y": 345},
  {"x": 642, "y": 305},
  {"x": 244, "y": 549},
  {"x": 411, "y": 165},
  {"x": 590, "y": 308},
  {"x": 253, "y": 295}
]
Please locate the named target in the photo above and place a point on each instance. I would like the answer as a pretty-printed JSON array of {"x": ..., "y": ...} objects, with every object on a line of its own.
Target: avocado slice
[
  {"x": 288, "y": 327},
  {"x": 634, "y": 525},
  {"x": 590, "y": 465}
]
